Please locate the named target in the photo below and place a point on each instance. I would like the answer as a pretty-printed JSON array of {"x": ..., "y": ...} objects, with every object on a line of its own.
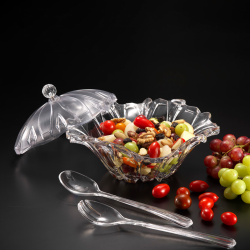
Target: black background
[{"x": 178, "y": 49}]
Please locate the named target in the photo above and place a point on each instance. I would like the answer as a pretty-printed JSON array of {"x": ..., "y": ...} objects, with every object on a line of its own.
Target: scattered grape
[
  {"x": 226, "y": 162},
  {"x": 225, "y": 183},
  {"x": 210, "y": 161},
  {"x": 230, "y": 175},
  {"x": 241, "y": 169},
  {"x": 214, "y": 172},
  {"x": 246, "y": 197},
  {"x": 226, "y": 145},
  {"x": 215, "y": 145},
  {"x": 246, "y": 179},
  {"x": 229, "y": 194},
  {"x": 221, "y": 172},
  {"x": 236, "y": 154},
  {"x": 230, "y": 137},
  {"x": 246, "y": 160},
  {"x": 238, "y": 187},
  {"x": 241, "y": 140}
]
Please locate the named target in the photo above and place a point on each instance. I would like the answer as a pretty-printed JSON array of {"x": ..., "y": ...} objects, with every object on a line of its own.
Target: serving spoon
[
  {"x": 82, "y": 185},
  {"x": 102, "y": 215}
]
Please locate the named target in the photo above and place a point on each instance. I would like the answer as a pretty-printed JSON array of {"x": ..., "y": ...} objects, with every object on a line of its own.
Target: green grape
[
  {"x": 222, "y": 171},
  {"x": 180, "y": 128},
  {"x": 248, "y": 169},
  {"x": 174, "y": 161},
  {"x": 246, "y": 160},
  {"x": 246, "y": 179},
  {"x": 230, "y": 175},
  {"x": 166, "y": 124},
  {"x": 241, "y": 169},
  {"x": 238, "y": 187},
  {"x": 132, "y": 146},
  {"x": 225, "y": 183},
  {"x": 229, "y": 194},
  {"x": 117, "y": 130},
  {"x": 246, "y": 197}
]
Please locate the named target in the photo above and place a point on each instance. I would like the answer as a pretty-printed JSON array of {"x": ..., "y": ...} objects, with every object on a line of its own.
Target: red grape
[
  {"x": 209, "y": 170},
  {"x": 236, "y": 154},
  {"x": 214, "y": 172},
  {"x": 230, "y": 137},
  {"x": 226, "y": 162},
  {"x": 118, "y": 141},
  {"x": 226, "y": 145},
  {"x": 241, "y": 140},
  {"x": 210, "y": 161},
  {"x": 247, "y": 147},
  {"x": 215, "y": 145}
]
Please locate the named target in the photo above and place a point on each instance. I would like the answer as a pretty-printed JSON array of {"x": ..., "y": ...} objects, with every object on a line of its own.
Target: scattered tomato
[
  {"x": 142, "y": 122},
  {"x": 160, "y": 190},
  {"x": 120, "y": 126},
  {"x": 211, "y": 195},
  {"x": 154, "y": 150},
  {"x": 229, "y": 218},
  {"x": 183, "y": 190},
  {"x": 206, "y": 203},
  {"x": 207, "y": 214},
  {"x": 182, "y": 201},
  {"x": 198, "y": 186},
  {"x": 107, "y": 127}
]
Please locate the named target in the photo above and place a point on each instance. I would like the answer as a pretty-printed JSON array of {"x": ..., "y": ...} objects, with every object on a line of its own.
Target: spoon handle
[
  {"x": 174, "y": 217},
  {"x": 221, "y": 241}
]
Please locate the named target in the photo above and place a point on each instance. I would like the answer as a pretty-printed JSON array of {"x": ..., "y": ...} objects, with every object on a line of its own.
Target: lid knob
[{"x": 49, "y": 91}]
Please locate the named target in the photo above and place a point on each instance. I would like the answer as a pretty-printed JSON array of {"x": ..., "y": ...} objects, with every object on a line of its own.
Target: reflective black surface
[{"x": 175, "y": 50}]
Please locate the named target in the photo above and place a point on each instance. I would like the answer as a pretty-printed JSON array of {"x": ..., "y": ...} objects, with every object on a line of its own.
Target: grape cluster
[
  {"x": 226, "y": 153},
  {"x": 230, "y": 162}
]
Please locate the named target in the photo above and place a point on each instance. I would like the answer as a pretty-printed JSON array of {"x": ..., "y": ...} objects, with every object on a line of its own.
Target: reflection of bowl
[{"x": 109, "y": 153}]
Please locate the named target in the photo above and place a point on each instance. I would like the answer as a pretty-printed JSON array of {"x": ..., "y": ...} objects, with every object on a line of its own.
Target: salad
[{"x": 153, "y": 138}]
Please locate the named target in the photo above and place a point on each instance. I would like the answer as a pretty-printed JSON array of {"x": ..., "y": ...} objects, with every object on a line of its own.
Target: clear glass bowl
[{"x": 110, "y": 153}]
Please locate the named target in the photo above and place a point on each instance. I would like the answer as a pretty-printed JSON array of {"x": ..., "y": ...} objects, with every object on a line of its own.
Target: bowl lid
[{"x": 61, "y": 113}]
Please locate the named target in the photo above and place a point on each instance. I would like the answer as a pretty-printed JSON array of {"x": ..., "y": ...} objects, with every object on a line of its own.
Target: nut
[
  {"x": 119, "y": 135},
  {"x": 165, "y": 130},
  {"x": 132, "y": 134},
  {"x": 168, "y": 142},
  {"x": 148, "y": 129},
  {"x": 180, "y": 121},
  {"x": 143, "y": 151},
  {"x": 146, "y": 137},
  {"x": 172, "y": 129},
  {"x": 118, "y": 120}
]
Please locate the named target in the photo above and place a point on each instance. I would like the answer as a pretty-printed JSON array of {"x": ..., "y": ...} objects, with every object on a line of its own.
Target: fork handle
[
  {"x": 221, "y": 241},
  {"x": 174, "y": 217}
]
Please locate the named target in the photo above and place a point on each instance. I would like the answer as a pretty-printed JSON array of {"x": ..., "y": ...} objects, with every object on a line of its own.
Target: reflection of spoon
[
  {"x": 105, "y": 216},
  {"x": 82, "y": 185}
]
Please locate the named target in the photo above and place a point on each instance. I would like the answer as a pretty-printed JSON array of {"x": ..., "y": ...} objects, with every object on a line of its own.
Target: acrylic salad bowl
[{"x": 110, "y": 153}]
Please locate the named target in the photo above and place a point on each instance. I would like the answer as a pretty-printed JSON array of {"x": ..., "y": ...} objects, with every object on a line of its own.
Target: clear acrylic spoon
[
  {"x": 82, "y": 185},
  {"x": 102, "y": 215}
]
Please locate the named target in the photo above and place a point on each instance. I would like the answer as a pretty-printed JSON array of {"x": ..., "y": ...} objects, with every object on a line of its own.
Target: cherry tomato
[
  {"x": 207, "y": 214},
  {"x": 211, "y": 195},
  {"x": 150, "y": 166},
  {"x": 101, "y": 125},
  {"x": 120, "y": 126},
  {"x": 179, "y": 139},
  {"x": 206, "y": 203},
  {"x": 108, "y": 127},
  {"x": 198, "y": 186},
  {"x": 182, "y": 201},
  {"x": 142, "y": 116},
  {"x": 142, "y": 122},
  {"x": 183, "y": 190},
  {"x": 154, "y": 150},
  {"x": 229, "y": 218},
  {"x": 130, "y": 161},
  {"x": 160, "y": 190}
]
